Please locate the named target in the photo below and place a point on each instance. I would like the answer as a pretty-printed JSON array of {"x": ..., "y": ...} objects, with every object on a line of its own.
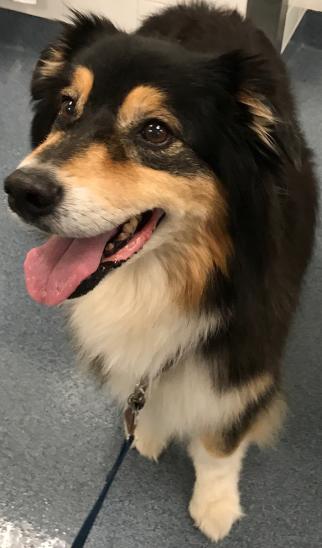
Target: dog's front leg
[
  {"x": 151, "y": 434},
  {"x": 215, "y": 505}
]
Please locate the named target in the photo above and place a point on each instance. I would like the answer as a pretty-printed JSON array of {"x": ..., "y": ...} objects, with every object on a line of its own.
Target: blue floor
[{"x": 59, "y": 433}]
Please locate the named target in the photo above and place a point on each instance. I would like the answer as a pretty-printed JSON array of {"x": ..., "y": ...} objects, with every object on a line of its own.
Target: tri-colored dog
[{"x": 170, "y": 170}]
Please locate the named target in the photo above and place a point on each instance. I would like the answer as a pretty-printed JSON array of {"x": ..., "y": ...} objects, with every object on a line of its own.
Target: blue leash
[
  {"x": 136, "y": 402},
  {"x": 88, "y": 523}
]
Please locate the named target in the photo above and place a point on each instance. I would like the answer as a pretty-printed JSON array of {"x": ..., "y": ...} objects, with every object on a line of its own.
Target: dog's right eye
[
  {"x": 68, "y": 106},
  {"x": 156, "y": 133}
]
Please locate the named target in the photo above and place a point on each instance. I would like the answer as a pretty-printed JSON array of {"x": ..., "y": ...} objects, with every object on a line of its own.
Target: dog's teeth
[
  {"x": 122, "y": 236},
  {"x": 130, "y": 226},
  {"x": 127, "y": 230}
]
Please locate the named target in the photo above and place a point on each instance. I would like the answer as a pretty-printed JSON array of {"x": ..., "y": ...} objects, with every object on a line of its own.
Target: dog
[{"x": 170, "y": 170}]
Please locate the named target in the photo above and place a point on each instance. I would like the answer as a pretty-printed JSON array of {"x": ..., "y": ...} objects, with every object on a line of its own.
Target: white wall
[
  {"x": 293, "y": 19},
  {"x": 307, "y": 4}
]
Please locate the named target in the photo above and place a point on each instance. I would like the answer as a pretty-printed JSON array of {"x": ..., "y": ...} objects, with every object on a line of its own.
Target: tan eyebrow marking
[
  {"x": 80, "y": 86},
  {"x": 142, "y": 102},
  {"x": 52, "y": 139}
]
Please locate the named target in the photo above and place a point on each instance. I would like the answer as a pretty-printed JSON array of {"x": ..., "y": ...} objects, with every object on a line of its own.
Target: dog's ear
[
  {"x": 245, "y": 92},
  {"x": 51, "y": 71}
]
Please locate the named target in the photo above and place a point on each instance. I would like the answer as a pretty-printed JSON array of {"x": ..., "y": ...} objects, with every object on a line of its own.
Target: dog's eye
[
  {"x": 68, "y": 106},
  {"x": 156, "y": 133}
]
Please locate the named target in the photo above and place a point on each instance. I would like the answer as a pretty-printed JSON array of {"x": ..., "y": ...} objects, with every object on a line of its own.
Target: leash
[
  {"x": 136, "y": 402},
  {"x": 88, "y": 523}
]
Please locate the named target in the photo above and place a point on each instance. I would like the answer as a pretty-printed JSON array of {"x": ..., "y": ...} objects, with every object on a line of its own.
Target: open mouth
[{"x": 65, "y": 268}]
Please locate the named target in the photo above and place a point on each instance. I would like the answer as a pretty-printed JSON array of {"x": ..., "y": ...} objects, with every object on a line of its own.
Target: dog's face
[{"x": 130, "y": 140}]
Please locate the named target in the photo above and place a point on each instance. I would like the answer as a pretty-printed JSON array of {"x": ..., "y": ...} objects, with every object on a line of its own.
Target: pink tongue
[{"x": 54, "y": 270}]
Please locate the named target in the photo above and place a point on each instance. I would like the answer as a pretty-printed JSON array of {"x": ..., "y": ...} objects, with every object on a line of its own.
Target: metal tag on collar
[{"x": 136, "y": 402}]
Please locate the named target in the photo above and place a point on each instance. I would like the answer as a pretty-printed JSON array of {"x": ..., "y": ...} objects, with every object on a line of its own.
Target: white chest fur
[{"x": 132, "y": 323}]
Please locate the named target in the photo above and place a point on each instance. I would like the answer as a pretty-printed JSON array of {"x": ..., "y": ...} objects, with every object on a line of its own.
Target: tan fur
[
  {"x": 145, "y": 102},
  {"x": 80, "y": 87},
  {"x": 254, "y": 389},
  {"x": 215, "y": 445},
  {"x": 121, "y": 184},
  {"x": 200, "y": 242},
  {"x": 197, "y": 203},
  {"x": 263, "y": 117},
  {"x": 51, "y": 66},
  {"x": 127, "y": 182},
  {"x": 105, "y": 189},
  {"x": 53, "y": 139},
  {"x": 269, "y": 422},
  {"x": 240, "y": 399},
  {"x": 194, "y": 253}
]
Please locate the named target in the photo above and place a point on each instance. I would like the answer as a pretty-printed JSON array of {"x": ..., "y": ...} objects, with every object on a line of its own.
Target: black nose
[{"x": 32, "y": 193}]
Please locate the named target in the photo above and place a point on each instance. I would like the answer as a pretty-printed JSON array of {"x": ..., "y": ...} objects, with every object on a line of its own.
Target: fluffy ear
[
  {"x": 249, "y": 84},
  {"x": 51, "y": 71},
  {"x": 75, "y": 35}
]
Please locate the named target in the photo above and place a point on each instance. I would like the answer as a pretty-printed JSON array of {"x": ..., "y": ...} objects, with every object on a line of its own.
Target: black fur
[
  {"x": 232, "y": 435},
  {"x": 204, "y": 59},
  {"x": 272, "y": 198}
]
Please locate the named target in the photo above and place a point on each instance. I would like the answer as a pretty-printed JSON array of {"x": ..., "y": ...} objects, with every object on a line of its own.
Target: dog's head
[{"x": 140, "y": 146}]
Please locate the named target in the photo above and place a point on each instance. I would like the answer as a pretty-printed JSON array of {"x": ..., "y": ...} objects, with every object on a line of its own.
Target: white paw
[
  {"x": 215, "y": 517},
  {"x": 148, "y": 447}
]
